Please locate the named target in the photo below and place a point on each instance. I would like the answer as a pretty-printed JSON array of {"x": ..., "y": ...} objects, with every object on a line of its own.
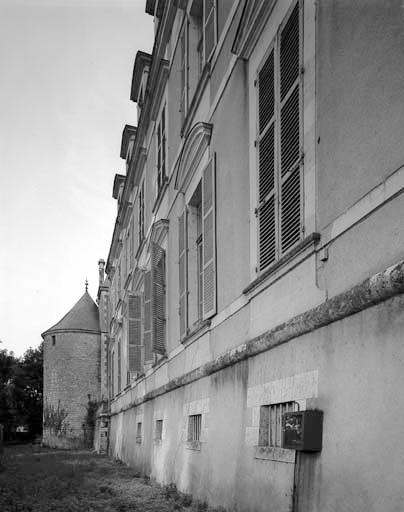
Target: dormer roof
[
  {"x": 142, "y": 62},
  {"x": 83, "y": 317},
  {"x": 118, "y": 181},
  {"x": 128, "y": 132}
]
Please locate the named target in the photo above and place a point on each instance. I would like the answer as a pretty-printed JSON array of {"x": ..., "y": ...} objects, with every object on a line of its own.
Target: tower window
[{"x": 53, "y": 340}]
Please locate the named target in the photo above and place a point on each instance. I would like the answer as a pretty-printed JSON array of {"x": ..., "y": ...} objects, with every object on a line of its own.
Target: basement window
[
  {"x": 270, "y": 429},
  {"x": 139, "y": 432},
  {"x": 158, "y": 435},
  {"x": 194, "y": 431}
]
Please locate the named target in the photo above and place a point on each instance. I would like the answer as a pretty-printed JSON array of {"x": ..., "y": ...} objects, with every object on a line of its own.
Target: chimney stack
[{"x": 101, "y": 267}]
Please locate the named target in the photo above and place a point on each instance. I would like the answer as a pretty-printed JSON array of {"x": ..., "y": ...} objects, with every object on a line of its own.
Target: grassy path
[{"x": 34, "y": 479}]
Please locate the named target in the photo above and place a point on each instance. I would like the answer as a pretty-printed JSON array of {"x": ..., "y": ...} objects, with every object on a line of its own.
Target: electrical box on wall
[{"x": 303, "y": 430}]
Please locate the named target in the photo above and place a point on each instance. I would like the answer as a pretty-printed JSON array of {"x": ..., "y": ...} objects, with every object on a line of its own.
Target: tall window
[
  {"x": 197, "y": 254},
  {"x": 161, "y": 150},
  {"x": 279, "y": 144},
  {"x": 141, "y": 213}
]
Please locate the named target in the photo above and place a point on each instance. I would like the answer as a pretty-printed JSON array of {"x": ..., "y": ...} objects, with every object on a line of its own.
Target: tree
[
  {"x": 26, "y": 390},
  {"x": 7, "y": 367}
]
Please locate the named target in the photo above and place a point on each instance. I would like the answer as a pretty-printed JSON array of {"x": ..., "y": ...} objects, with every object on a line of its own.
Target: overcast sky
[{"x": 65, "y": 75}]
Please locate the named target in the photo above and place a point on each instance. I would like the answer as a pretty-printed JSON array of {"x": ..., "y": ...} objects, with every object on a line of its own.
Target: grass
[{"x": 35, "y": 479}]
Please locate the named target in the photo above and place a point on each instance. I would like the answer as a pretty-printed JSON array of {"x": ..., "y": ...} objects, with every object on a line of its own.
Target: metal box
[{"x": 303, "y": 430}]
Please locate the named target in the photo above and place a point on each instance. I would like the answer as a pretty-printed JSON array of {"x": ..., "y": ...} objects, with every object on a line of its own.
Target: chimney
[{"x": 101, "y": 266}]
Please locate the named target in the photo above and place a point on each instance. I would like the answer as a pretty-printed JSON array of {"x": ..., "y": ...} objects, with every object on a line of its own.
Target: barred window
[
  {"x": 158, "y": 435},
  {"x": 194, "y": 427},
  {"x": 270, "y": 429},
  {"x": 279, "y": 144},
  {"x": 139, "y": 432}
]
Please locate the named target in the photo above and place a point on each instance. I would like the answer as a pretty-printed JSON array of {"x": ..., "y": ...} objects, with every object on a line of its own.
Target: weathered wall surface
[
  {"x": 352, "y": 370},
  {"x": 360, "y": 62},
  {"x": 71, "y": 376}
]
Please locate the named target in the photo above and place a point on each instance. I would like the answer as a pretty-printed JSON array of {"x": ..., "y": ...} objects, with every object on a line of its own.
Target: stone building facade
[
  {"x": 253, "y": 302},
  {"x": 72, "y": 376}
]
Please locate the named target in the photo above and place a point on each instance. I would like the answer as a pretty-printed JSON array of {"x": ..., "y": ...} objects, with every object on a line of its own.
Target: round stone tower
[{"x": 72, "y": 376}]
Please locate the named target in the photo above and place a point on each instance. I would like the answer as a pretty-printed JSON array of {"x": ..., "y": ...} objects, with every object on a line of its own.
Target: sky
[{"x": 65, "y": 75}]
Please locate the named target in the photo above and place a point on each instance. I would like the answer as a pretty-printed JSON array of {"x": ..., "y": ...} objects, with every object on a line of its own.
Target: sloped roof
[{"x": 82, "y": 317}]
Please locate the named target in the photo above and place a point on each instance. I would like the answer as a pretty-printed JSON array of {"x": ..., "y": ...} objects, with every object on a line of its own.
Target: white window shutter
[
  {"x": 135, "y": 332},
  {"x": 158, "y": 299},
  {"x": 147, "y": 324},
  {"x": 279, "y": 140},
  {"x": 290, "y": 126},
  {"x": 267, "y": 163},
  {"x": 209, "y": 28},
  {"x": 209, "y": 239},
  {"x": 182, "y": 264},
  {"x": 184, "y": 71}
]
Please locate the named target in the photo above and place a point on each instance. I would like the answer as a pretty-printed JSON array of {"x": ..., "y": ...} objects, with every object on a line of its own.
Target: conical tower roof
[{"x": 82, "y": 317}]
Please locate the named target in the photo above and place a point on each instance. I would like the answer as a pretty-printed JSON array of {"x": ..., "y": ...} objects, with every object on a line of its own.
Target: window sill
[
  {"x": 160, "y": 195},
  {"x": 309, "y": 242},
  {"x": 197, "y": 331},
  {"x": 138, "y": 440},
  {"x": 274, "y": 453},
  {"x": 199, "y": 90},
  {"x": 194, "y": 445}
]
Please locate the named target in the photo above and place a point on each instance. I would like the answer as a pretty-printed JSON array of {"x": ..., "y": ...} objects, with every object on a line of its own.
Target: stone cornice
[
  {"x": 196, "y": 142},
  {"x": 253, "y": 18},
  {"x": 374, "y": 290}
]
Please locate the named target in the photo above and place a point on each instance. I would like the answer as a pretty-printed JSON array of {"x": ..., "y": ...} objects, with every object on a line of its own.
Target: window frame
[
  {"x": 270, "y": 426},
  {"x": 257, "y": 57},
  {"x": 278, "y": 104},
  {"x": 161, "y": 150}
]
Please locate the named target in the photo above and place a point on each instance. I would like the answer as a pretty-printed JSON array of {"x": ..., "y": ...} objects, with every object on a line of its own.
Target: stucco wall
[
  {"x": 71, "y": 374},
  {"x": 360, "y": 97},
  {"x": 352, "y": 370}
]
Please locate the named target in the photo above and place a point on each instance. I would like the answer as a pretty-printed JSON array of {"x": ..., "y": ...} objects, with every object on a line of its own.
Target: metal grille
[
  {"x": 159, "y": 430},
  {"x": 194, "y": 427},
  {"x": 139, "y": 432},
  {"x": 270, "y": 431}
]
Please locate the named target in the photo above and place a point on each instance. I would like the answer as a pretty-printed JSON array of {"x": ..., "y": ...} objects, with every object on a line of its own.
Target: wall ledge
[{"x": 374, "y": 290}]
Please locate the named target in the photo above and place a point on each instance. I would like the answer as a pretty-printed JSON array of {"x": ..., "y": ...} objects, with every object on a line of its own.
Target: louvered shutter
[
  {"x": 290, "y": 146},
  {"x": 209, "y": 23},
  {"x": 266, "y": 163},
  {"x": 112, "y": 369},
  {"x": 182, "y": 263},
  {"x": 184, "y": 70},
  {"x": 158, "y": 297},
  {"x": 209, "y": 239},
  {"x": 147, "y": 325},
  {"x": 134, "y": 333},
  {"x": 280, "y": 178}
]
